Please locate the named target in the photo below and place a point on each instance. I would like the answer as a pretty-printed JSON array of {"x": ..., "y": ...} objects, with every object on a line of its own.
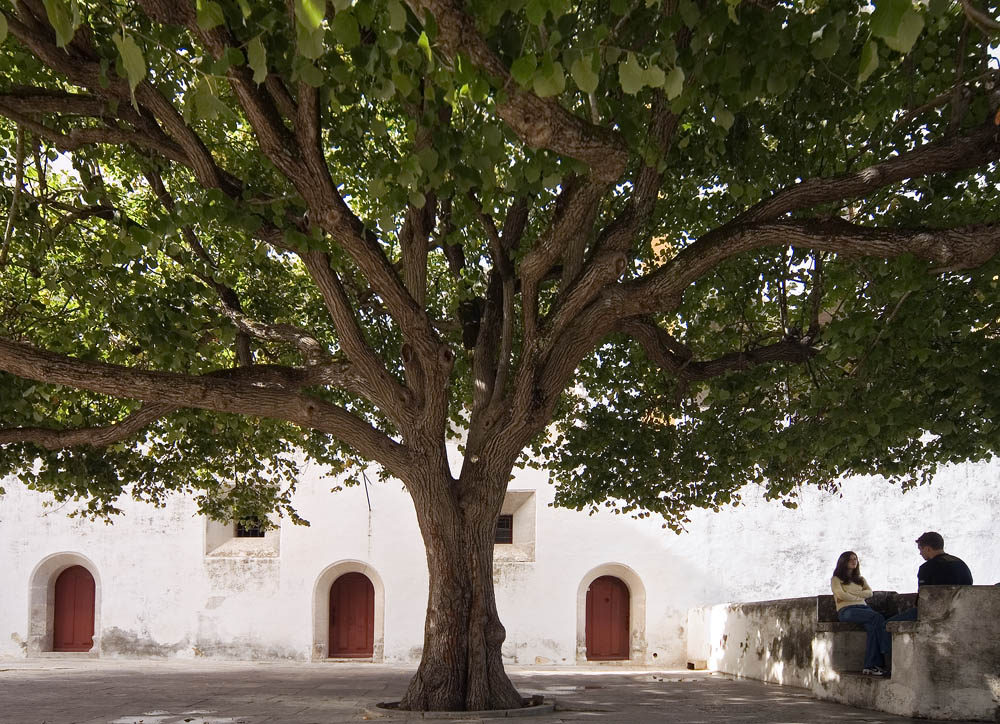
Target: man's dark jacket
[{"x": 944, "y": 569}]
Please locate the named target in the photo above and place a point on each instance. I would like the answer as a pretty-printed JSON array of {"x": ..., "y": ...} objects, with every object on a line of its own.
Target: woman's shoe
[{"x": 874, "y": 671}]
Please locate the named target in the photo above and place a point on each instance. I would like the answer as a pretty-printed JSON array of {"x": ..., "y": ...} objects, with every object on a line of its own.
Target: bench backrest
[{"x": 888, "y": 603}]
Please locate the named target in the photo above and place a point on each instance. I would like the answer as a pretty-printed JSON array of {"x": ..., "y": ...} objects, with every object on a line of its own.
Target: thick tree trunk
[{"x": 461, "y": 667}]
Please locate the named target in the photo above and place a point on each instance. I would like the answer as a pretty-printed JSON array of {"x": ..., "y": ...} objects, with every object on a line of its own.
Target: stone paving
[{"x": 92, "y": 691}]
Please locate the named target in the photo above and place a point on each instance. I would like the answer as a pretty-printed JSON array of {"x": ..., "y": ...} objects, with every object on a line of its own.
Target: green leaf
[
  {"x": 777, "y": 81},
  {"x": 583, "y": 73},
  {"x": 938, "y": 7},
  {"x": 417, "y": 199},
  {"x": 428, "y": 158},
  {"x": 630, "y": 74},
  {"x": 828, "y": 45},
  {"x": 424, "y": 43},
  {"x": 310, "y": 13},
  {"x": 910, "y": 27},
  {"x": 132, "y": 61},
  {"x": 61, "y": 17},
  {"x": 404, "y": 84},
  {"x": 869, "y": 61},
  {"x": 3, "y": 27},
  {"x": 207, "y": 106},
  {"x": 654, "y": 76},
  {"x": 674, "y": 84},
  {"x": 724, "y": 117},
  {"x": 309, "y": 43},
  {"x": 309, "y": 34},
  {"x": 887, "y": 16},
  {"x": 551, "y": 81},
  {"x": 209, "y": 14},
  {"x": 397, "y": 16},
  {"x": 346, "y": 30},
  {"x": 311, "y": 75},
  {"x": 535, "y": 11},
  {"x": 731, "y": 6},
  {"x": 257, "y": 58},
  {"x": 689, "y": 13},
  {"x": 523, "y": 69}
]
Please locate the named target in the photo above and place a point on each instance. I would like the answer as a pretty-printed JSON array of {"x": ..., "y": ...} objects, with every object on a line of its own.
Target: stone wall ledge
[{"x": 945, "y": 665}]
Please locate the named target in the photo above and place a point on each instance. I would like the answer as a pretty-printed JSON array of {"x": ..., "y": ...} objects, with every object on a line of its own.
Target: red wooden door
[
  {"x": 607, "y": 620},
  {"x": 73, "y": 628},
  {"x": 352, "y": 617}
]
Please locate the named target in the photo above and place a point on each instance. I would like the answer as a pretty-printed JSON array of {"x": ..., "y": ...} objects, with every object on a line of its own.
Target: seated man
[{"x": 940, "y": 569}]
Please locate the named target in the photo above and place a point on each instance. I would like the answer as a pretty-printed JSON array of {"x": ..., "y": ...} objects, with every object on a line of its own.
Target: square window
[
  {"x": 505, "y": 529},
  {"x": 249, "y": 538}
]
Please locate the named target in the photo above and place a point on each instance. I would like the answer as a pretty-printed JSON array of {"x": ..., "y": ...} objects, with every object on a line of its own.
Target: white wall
[
  {"x": 763, "y": 550},
  {"x": 161, "y": 595}
]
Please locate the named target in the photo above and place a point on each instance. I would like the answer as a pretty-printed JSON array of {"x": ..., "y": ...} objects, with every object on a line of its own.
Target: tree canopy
[{"x": 666, "y": 247}]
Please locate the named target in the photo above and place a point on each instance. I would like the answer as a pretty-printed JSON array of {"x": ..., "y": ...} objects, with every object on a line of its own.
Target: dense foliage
[{"x": 115, "y": 252}]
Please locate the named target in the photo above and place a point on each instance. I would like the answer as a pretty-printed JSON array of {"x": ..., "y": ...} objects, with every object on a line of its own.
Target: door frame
[
  {"x": 321, "y": 609},
  {"x": 636, "y": 614},
  {"x": 41, "y": 602}
]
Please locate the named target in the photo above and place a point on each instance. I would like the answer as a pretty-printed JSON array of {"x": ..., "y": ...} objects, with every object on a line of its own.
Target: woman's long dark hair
[{"x": 841, "y": 571}]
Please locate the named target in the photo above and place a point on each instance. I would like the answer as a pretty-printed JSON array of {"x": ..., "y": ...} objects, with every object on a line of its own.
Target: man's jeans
[
  {"x": 909, "y": 614},
  {"x": 879, "y": 641}
]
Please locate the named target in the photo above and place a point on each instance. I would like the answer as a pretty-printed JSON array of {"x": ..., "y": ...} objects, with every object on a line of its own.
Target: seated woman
[{"x": 850, "y": 590}]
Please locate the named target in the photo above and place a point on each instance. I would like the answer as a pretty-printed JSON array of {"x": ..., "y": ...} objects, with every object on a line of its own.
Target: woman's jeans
[{"x": 879, "y": 641}]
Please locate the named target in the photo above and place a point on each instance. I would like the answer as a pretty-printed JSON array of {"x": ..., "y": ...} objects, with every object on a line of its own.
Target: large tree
[{"x": 665, "y": 247}]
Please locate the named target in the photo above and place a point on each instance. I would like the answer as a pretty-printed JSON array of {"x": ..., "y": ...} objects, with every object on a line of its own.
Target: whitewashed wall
[{"x": 161, "y": 595}]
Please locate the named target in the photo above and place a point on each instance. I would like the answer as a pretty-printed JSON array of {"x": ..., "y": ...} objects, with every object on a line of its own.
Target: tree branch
[
  {"x": 414, "y": 240},
  {"x": 28, "y": 99},
  {"x": 675, "y": 358},
  {"x": 77, "y": 138},
  {"x": 95, "y": 437},
  {"x": 541, "y": 123},
  {"x": 256, "y": 391},
  {"x": 305, "y": 167},
  {"x": 312, "y": 351},
  {"x": 609, "y": 257},
  {"x": 949, "y": 249},
  {"x": 14, "y": 199},
  {"x": 81, "y": 66},
  {"x": 576, "y": 209},
  {"x": 978, "y": 18},
  {"x": 950, "y": 154},
  {"x": 227, "y": 295},
  {"x": 394, "y": 399}
]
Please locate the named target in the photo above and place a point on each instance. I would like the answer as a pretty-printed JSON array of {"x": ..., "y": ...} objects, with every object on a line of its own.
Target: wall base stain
[
  {"x": 16, "y": 638},
  {"x": 118, "y": 642}
]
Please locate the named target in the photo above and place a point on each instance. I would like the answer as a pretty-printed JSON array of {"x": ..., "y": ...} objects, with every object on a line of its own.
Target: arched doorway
[
  {"x": 352, "y": 617},
  {"x": 607, "y": 627},
  {"x": 73, "y": 619}
]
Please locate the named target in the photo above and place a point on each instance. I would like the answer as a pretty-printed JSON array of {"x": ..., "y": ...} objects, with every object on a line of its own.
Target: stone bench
[
  {"x": 888, "y": 603},
  {"x": 945, "y": 665},
  {"x": 838, "y": 647}
]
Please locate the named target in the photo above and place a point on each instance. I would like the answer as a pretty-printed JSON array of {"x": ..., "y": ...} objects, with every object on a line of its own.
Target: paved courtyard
[{"x": 64, "y": 691}]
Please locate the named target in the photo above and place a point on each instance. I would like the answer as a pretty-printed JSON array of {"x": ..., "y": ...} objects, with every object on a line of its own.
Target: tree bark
[{"x": 461, "y": 667}]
